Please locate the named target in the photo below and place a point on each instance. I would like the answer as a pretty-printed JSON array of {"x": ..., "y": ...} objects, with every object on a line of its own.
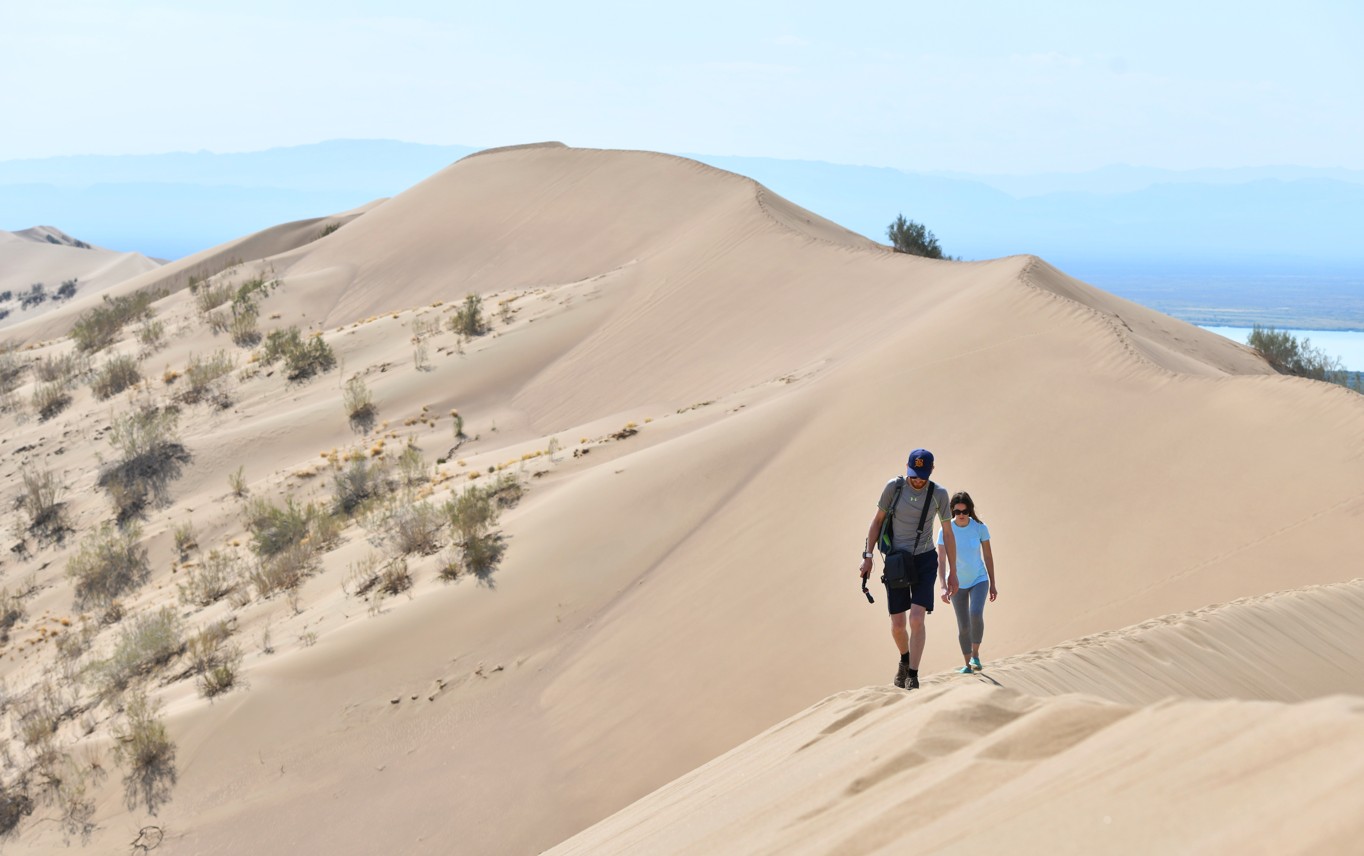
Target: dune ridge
[
  {"x": 702, "y": 399},
  {"x": 1151, "y": 737}
]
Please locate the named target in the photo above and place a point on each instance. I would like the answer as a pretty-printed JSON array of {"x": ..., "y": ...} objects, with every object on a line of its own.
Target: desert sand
[
  {"x": 51, "y": 257},
  {"x": 702, "y": 388}
]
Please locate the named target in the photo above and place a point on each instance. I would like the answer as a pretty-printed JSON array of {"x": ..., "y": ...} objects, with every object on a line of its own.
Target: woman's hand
[{"x": 993, "y": 592}]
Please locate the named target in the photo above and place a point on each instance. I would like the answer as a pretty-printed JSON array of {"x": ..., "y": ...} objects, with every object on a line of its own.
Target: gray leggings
[{"x": 970, "y": 607}]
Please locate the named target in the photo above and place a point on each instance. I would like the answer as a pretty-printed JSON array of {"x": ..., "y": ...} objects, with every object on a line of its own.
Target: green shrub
[
  {"x": 61, "y": 369},
  {"x": 468, "y": 319},
  {"x": 213, "y": 661},
  {"x": 906, "y": 236},
  {"x": 108, "y": 563},
  {"x": 274, "y": 528},
  {"x": 151, "y": 455},
  {"x": 202, "y": 375},
  {"x": 302, "y": 357},
  {"x": 148, "y": 643},
  {"x": 99, "y": 327},
  {"x": 213, "y": 580},
  {"x": 1287, "y": 355},
  {"x": 144, "y": 749},
  {"x": 478, "y": 547},
  {"x": 11, "y": 613},
  {"x": 243, "y": 327},
  {"x": 359, "y": 404},
  {"x": 209, "y": 297},
  {"x": 49, "y": 399},
  {"x": 283, "y": 571},
  {"x": 358, "y": 481},
  {"x": 116, "y": 375},
  {"x": 41, "y": 501},
  {"x": 416, "y": 528}
]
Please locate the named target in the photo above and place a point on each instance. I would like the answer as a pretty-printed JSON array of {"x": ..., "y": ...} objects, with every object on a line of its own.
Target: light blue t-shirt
[{"x": 970, "y": 563}]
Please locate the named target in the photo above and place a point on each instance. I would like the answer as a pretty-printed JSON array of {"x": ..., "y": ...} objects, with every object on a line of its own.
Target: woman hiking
[{"x": 975, "y": 577}]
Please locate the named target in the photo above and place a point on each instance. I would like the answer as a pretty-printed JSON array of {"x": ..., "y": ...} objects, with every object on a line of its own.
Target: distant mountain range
[{"x": 1114, "y": 222}]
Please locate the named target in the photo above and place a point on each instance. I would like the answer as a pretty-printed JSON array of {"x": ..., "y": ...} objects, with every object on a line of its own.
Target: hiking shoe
[
  {"x": 913, "y": 683},
  {"x": 965, "y": 670},
  {"x": 975, "y": 663},
  {"x": 902, "y": 675}
]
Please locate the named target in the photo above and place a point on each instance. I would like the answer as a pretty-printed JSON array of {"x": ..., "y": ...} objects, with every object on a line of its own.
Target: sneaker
[
  {"x": 975, "y": 663},
  {"x": 913, "y": 683},
  {"x": 965, "y": 670},
  {"x": 902, "y": 675}
]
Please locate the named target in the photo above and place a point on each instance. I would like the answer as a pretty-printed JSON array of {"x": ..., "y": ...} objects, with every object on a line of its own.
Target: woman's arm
[{"x": 989, "y": 566}]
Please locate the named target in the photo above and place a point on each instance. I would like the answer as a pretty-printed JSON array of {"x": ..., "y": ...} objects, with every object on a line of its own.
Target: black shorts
[{"x": 924, "y": 585}]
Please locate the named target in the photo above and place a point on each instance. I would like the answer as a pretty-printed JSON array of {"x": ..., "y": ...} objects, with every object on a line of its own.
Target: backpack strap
[
  {"x": 929, "y": 499},
  {"x": 887, "y": 537}
]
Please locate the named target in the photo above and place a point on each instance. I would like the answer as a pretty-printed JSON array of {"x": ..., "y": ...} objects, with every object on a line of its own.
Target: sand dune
[
  {"x": 668, "y": 594},
  {"x": 46, "y": 255},
  {"x": 1028, "y": 766}
]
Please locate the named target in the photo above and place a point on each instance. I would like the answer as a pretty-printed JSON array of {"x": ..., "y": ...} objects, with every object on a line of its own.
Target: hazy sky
[{"x": 970, "y": 85}]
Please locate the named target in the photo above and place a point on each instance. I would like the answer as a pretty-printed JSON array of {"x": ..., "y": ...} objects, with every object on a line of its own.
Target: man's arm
[{"x": 873, "y": 535}]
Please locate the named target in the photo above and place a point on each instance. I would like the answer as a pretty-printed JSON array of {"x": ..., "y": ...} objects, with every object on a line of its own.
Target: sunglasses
[{"x": 960, "y": 511}]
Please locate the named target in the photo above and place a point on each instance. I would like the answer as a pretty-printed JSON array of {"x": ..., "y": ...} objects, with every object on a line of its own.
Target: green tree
[{"x": 906, "y": 236}]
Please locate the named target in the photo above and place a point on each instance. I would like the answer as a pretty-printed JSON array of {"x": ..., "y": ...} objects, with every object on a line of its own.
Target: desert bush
[
  {"x": 59, "y": 369},
  {"x": 116, "y": 375},
  {"x": 144, "y": 749},
  {"x": 148, "y": 643},
  {"x": 67, "y": 290},
  {"x": 108, "y": 563},
  {"x": 359, "y": 480},
  {"x": 359, "y": 404},
  {"x": 907, "y": 236},
  {"x": 468, "y": 320},
  {"x": 275, "y": 528},
  {"x": 478, "y": 547},
  {"x": 49, "y": 399},
  {"x": 11, "y": 612},
  {"x": 425, "y": 327},
  {"x": 15, "y": 805},
  {"x": 213, "y": 661},
  {"x": 41, "y": 501},
  {"x": 186, "y": 539},
  {"x": 236, "y": 481},
  {"x": 214, "y": 579},
  {"x": 506, "y": 491},
  {"x": 11, "y": 368},
  {"x": 1287, "y": 355},
  {"x": 283, "y": 571},
  {"x": 421, "y": 357},
  {"x": 328, "y": 229},
  {"x": 415, "y": 528},
  {"x": 203, "y": 375},
  {"x": 302, "y": 357},
  {"x": 151, "y": 334},
  {"x": 243, "y": 327},
  {"x": 36, "y": 294},
  {"x": 412, "y": 466},
  {"x": 208, "y": 297},
  {"x": 97, "y": 328},
  {"x": 151, "y": 455}
]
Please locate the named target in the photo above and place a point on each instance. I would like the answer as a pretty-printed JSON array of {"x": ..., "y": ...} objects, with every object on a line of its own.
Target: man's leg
[
  {"x": 898, "y": 632},
  {"x": 917, "y": 636}
]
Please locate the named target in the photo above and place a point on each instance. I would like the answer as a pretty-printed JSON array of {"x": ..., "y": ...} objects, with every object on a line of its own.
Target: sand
[{"x": 672, "y": 590}]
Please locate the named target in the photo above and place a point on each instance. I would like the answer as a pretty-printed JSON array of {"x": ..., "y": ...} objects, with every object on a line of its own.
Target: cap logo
[{"x": 918, "y": 462}]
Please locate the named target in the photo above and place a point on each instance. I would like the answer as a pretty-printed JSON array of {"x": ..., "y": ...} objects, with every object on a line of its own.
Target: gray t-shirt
[{"x": 907, "y": 514}]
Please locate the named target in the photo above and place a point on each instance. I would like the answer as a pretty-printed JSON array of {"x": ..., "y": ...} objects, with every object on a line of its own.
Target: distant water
[{"x": 1346, "y": 345}]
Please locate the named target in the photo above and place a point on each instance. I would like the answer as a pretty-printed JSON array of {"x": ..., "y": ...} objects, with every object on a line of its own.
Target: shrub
[
  {"x": 151, "y": 335},
  {"x": 359, "y": 480},
  {"x": 1287, "y": 355},
  {"x": 416, "y": 527},
  {"x": 283, "y": 571},
  {"x": 243, "y": 327},
  {"x": 11, "y": 612},
  {"x": 212, "y": 581},
  {"x": 42, "y": 502},
  {"x": 99, "y": 327},
  {"x": 67, "y": 289},
  {"x": 36, "y": 294},
  {"x": 62, "y": 369},
  {"x": 151, "y": 455},
  {"x": 210, "y": 297},
  {"x": 468, "y": 319},
  {"x": 359, "y": 404},
  {"x": 203, "y": 374},
  {"x": 186, "y": 539},
  {"x": 313, "y": 358},
  {"x": 478, "y": 548},
  {"x": 11, "y": 368},
  {"x": 412, "y": 465},
  {"x": 109, "y": 563},
  {"x": 150, "y": 642},
  {"x": 214, "y": 663},
  {"x": 328, "y": 229},
  {"x": 906, "y": 236},
  {"x": 49, "y": 399},
  {"x": 274, "y": 528},
  {"x": 143, "y": 747},
  {"x": 15, "y": 805},
  {"x": 116, "y": 375}
]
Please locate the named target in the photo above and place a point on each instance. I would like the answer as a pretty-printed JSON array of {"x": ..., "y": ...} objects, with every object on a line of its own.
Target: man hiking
[{"x": 911, "y": 557}]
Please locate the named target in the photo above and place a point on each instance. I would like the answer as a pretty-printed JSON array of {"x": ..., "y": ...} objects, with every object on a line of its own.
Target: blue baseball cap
[{"x": 920, "y": 464}]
